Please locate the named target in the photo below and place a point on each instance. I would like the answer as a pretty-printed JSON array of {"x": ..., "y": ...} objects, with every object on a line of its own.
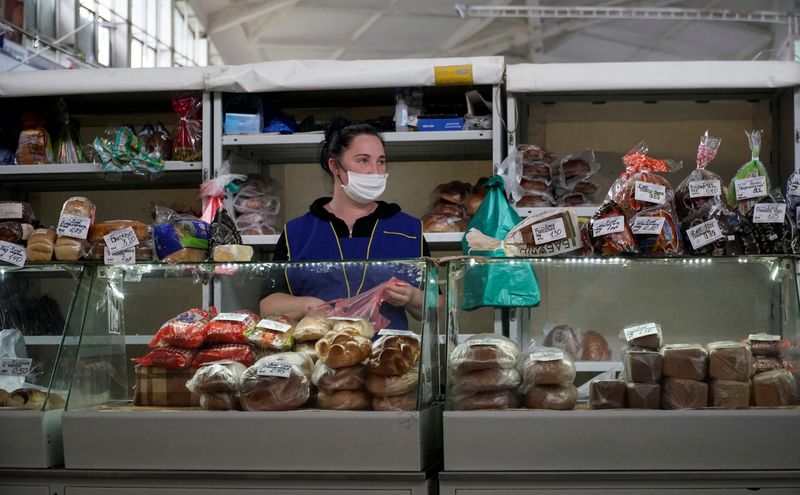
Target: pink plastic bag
[{"x": 365, "y": 306}]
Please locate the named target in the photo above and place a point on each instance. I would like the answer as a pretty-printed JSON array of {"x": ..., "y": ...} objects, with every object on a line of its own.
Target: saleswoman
[{"x": 353, "y": 225}]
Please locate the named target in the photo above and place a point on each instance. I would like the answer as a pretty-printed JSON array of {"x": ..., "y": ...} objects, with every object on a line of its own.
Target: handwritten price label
[
  {"x": 754, "y": 187},
  {"x": 273, "y": 325},
  {"x": 72, "y": 226},
  {"x": 651, "y": 193},
  {"x": 11, "y": 211},
  {"x": 704, "y": 188},
  {"x": 549, "y": 231},
  {"x": 610, "y": 225},
  {"x": 647, "y": 225},
  {"x": 794, "y": 186},
  {"x": 124, "y": 257},
  {"x": 121, "y": 239},
  {"x": 15, "y": 366},
  {"x": 638, "y": 331},
  {"x": 705, "y": 233},
  {"x": 13, "y": 253},
  {"x": 547, "y": 356},
  {"x": 769, "y": 213},
  {"x": 274, "y": 369}
]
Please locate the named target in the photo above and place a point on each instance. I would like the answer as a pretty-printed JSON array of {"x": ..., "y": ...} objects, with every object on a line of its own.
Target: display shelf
[
  {"x": 48, "y": 177},
  {"x": 400, "y": 146},
  {"x": 578, "y": 211},
  {"x": 56, "y": 340},
  {"x": 597, "y": 366},
  {"x": 436, "y": 240}
]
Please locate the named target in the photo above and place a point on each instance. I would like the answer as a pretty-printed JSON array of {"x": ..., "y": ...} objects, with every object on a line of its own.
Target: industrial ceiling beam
[{"x": 232, "y": 17}]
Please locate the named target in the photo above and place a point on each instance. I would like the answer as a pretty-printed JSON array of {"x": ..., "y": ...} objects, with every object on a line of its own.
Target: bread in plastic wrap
[
  {"x": 643, "y": 396},
  {"x": 729, "y": 394},
  {"x": 766, "y": 363},
  {"x": 344, "y": 400},
  {"x": 330, "y": 379},
  {"x": 185, "y": 330},
  {"x": 41, "y": 245},
  {"x": 393, "y": 355},
  {"x": 363, "y": 327},
  {"x": 385, "y": 386},
  {"x": 484, "y": 351},
  {"x": 272, "y": 333},
  {"x": 17, "y": 211},
  {"x": 241, "y": 353},
  {"x": 346, "y": 347},
  {"x": 98, "y": 231},
  {"x": 688, "y": 361},
  {"x": 643, "y": 336},
  {"x": 229, "y": 327},
  {"x": 11, "y": 232},
  {"x": 552, "y": 397},
  {"x": 562, "y": 337},
  {"x": 764, "y": 344},
  {"x": 488, "y": 380},
  {"x": 607, "y": 394},
  {"x": 219, "y": 401},
  {"x": 309, "y": 348},
  {"x": 312, "y": 328},
  {"x": 775, "y": 388},
  {"x": 680, "y": 393},
  {"x": 216, "y": 377},
  {"x": 405, "y": 402},
  {"x": 728, "y": 360},
  {"x": 642, "y": 366},
  {"x": 502, "y": 399},
  {"x": 594, "y": 347},
  {"x": 70, "y": 248},
  {"x": 548, "y": 366},
  {"x": 280, "y": 382}
]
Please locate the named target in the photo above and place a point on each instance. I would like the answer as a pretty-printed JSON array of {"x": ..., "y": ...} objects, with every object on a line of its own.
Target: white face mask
[{"x": 365, "y": 188}]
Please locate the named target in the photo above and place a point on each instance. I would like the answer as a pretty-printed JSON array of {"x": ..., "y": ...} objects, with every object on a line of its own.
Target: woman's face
[{"x": 365, "y": 155}]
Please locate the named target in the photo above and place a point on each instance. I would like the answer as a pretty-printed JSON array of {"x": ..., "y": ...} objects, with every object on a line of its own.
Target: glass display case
[
  {"x": 42, "y": 308},
  {"x": 605, "y": 358},
  {"x": 221, "y": 386}
]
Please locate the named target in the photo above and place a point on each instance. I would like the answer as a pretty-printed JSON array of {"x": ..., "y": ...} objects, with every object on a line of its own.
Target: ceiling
[{"x": 246, "y": 31}]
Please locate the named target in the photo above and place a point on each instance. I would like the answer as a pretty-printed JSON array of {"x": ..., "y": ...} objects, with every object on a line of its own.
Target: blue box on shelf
[
  {"x": 440, "y": 124},
  {"x": 242, "y": 123}
]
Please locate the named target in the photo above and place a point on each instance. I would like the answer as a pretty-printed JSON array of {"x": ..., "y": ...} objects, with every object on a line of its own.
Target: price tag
[
  {"x": 13, "y": 253},
  {"x": 704, "y": 188},
  {"x": 638, "y": 331},
  {"x": 647, "y": 225},
  {"x": 610, "y": 225},
  {"x": 547, "y": 356},
  {"x": 769, "y": 212},
  {"x": 764, "y": 337},
  {"x": 705, "y": 233},
  {"x": 15, "y": 366},
  {"x": 343, "y": 318},
  {"x": 124, "y": 257},
  {"x": 452, "y": 74},
  {"x": 274, "y": 369},
  {"x": 240, "y": 317},
  {"x": 11, "y": 211},
  {"x": 651, "y": 193},
  {"x": 794, "y": 186},
  {"x": 274, "y": 325},
  {"x": 481, "y": 342},
  {"x": 754, "y": 187},
  {"x": 72, "y": 226},
  {"x": 389, "y": 332},
  {"x": 121, "y": 239},
  {"x": 549, "y": 231}
]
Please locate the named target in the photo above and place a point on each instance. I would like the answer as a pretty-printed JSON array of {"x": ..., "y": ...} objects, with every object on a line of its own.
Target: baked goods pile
[
  {"x": 544, "y": 180},
  {"x": 453, "y": 205}
]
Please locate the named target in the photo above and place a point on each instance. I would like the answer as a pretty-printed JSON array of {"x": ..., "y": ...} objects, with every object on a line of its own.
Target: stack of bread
[
  {"x": 339, "y": 367},
  {"x": 586, "y": 345},
  {"x": 218, "y": 385},
  {"x": 730, "y": 365},
  {"x": 546, "y": 181},
  {"x": 482, "y": 373},
  {"x": 642, "y": 366},
  {"x": 453, "y": 205},
  {"x": 278, "y": 382},
  {"x": 393, "y": 371},
  {"x": 684, "y": 368},
  {"x": 16, "y": 219},
  {"x": 548, "y": 376},
  {"x": 773, "y": 385}
]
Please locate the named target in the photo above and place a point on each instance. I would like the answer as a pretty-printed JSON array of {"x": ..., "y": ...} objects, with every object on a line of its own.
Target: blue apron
[{"x": 310, "y": 238}]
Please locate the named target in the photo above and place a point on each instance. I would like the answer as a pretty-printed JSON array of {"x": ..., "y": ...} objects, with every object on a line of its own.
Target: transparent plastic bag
[
  {"x": 574, "y": 168},
  {"x": 751, "y": 179},
  {"x": 68, "y": 143},
  {"x": 12, "y": 346},
  {"x": 668, "y": 241},
  {"x": 180, "y": 238},
  {"x": 701, "y": 186},
  {"x": 607, "y": 394},
  {"x": 640, "y": 187},
  {"x": 684, "y": 361},
  {"x": 365, "y": 306},
  {"x": 185, "y": 330},
  {"x": 547, "y": 366},
  {"x": 216, "y": 377},
  {"x": 728, "y": 360},
  {"x": 187, "y": 143},
  {"x": 156, "y": 141},
  {"x": 336, "y": 379},
  {"x": 772, "y": 225},
  {"x": 279, "y": 382},
  {"x": 484, "y": 351},
  {"x": 609, "y": 232},
  {"x": 119, "y": 149},
  {"x": 34, "y": 145}
]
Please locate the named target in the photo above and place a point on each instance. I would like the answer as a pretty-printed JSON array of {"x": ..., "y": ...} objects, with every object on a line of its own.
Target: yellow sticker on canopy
[{"x": 452, "y": 74}]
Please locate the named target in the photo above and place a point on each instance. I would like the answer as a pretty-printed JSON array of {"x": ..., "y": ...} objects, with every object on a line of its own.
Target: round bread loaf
[
  {"x": 330, "y": 379},
  {"x": 344, "y": 400},
  {"x": 548, "y": 366},
  {"x": 393, "y": 355},
  {"x": 553, "y": 397},
  {"x": 504, "y": 399},
  {"x": 484, "y": 351},
  {"x": 273, "y": 393},
  {"x": 563, "y": 337},
  {"x": 216, "y": 377},
  {"x": 386, "y": 386},
  {"x": 594, "y": 347},
  {"x": 312, "y": 328},
  {"x": 489, "y": 380},
  {"x": 342, "y": 348},
  {"x": 219, "y": 401}
]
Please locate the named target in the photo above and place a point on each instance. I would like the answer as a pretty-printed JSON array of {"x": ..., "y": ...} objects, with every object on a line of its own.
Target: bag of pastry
[
  {"x": 574, "y": 168},
  {"x": 496, "y": 284},
  {"x": 640, "y": 187},
  {"x": 772, "y": 225},
  {"x": 701, "y": 186},
  {"x": 718, "y": 230},
  {"x": 657, "y": 232},
  {"x": 279, "y": 382},
  {"x": 609, "y": 232},
  {"x": 751, "y": 181},
  {"x": 273, "y": 332},
  {"x": 180, "y": 238}
]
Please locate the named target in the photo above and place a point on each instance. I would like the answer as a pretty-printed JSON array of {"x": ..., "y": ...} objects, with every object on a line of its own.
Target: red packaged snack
[
  {"x": 185, "y": 330},
  {"x": 609, "y": 232},
  {"x": 657, "y": 232},
  {"x": 229, "y": 328},
  {"x": 168, "y": 356},
  {"x": 187, "y": 145},
  {"x": 240, "y": 353},
  {"x": 638, "y": 187}
]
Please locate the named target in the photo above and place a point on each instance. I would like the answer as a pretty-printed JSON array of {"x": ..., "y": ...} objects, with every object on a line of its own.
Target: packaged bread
[
  {"x": 448, "y": 209},
  {"x": 503, "y": 399},
  {"x": 484, "y": 351},
  {"x": 361, "y": 326},
  {"x": 548, "y": 366},
  {"x": 574, "y": 168},
  {"x": 443, "y": 223},
  {"x": 392, "y": 385},
  {"x": 405, "y": 402},
  {"x": 728, "y": 360},
  {"x": 532, "y": 153},
  {"x": 562, "y": 337},
  {"x": 69, "y": 248},
  {"x": 274, "y": 332},
  {"x": 41, "y": 245},
  {"x": 330, "y": 379},
  {"x": 98, "y": 231},
  {"x": 640, "y": 187},
  {"x": 308, "y": 348},
  {"x": 701, "y": 186},
  {"x": 230, "y": 327},
  {"x": 680, "y": 393},
  {"x": 607, "y": 394},
  {"x": 280, "y": 382},
  {"x": 488, "y": 380},
  {"x": 766, "y": 363},
  {"x": 643, "y": 396},
  {"x": 167, "y": 356},
  {"x": 343, "y": 400},
  {"x": 216, "y": 377},
  {"x": 185, "y": 330},
  {"x": 764, "y": 344},
  {"x": 729, "y": 394},
  {"x": 552, "y": 397},
  {"x": 741, "y": 198},
  {"x": 393, "y": 355},
  {"x": 688, "y": 361},
  {"x": 657, "y": 232},
  {"x": 16, "y": 211},
  {"x": 142, "y": 252},
  {"x": 312, "y": 328},
  {"x": 644, "y": 336},
  {"x": 774, "y": 388},
  {"x": 229, "y": 253},
  {"x": 79, "y": 206},
  {"x": 180, "y": 238},
  {"x": 609, "y": 232},
  {"x": 219, "y": 352},
  {"x": 11, "y": 232},
  {"x": 219, "y": 401},
  {"x": 642, "y": 366},
  {"x": 34, "y": 146},
  {"x": 346, "y": 347},
  {"x": 594, "y": 347},
  {"x": 453, "y": 192},
  {"x": 536, "y": 201}
]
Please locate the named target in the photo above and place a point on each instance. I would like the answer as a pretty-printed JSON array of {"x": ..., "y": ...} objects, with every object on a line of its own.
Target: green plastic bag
[{"x": 497, "y": 284}]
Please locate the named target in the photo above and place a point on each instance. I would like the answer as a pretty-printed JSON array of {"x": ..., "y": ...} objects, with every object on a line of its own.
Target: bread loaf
[
  {"x": 553, "y": 397},
  {"x": 339, "y": 349},
  {"x": 69, "y": 248},
  {"x": 548, "y": 366},
  {"x": 312, "y": 328},
  {"x": 98, "y": 231},
  {"x": 729, "y": 394},
  {"x": 78, "y": 206},
  {"x": 766, "y": 363},
  {"x": 489, "y": 380},
  {"x": 11, "y": 232},
  {"x": 393, "y": 355},
  {"x": 262, "y": 389},
  {"x": 729, "y": 361},
  {"x": 774, "y": 388},
  {"x": 385, "y": 386},
  {"x": 41, "y": 245},
  {"x": 217, "y": 377},
  {"x": 308, "y": 348},
  {"x": 680, "y": 393},
  {"x": 504, "y": 399},
  {"x": 222, "y": 401},
  {"x": 563, "y": 337},
  {"x": 330, "y": 380},
  {"x": 763, "y": 344},
  {"x": 484, "y": 351},
  {"x": 607, "y": 394},
  {"x": 362, "y": 327},
  {"x": 634, "y": 337},
  {"x": 405, "y": 402},
  {"x": 594, "y": 347},
  {"x": 687, "y": 361},
  {"x": 643, "y": 396},
  {"x": 642, "y": 366},
  {"x": 344, "y": 400}
]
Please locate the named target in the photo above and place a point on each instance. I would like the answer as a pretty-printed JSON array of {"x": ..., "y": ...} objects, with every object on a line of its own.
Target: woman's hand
[{"x": 403, "y": 295}]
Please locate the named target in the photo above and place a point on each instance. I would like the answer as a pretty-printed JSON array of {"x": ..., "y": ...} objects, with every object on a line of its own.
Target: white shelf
[
  {"x": 578, "y": 211},
  {"x": 597, "y": 366},
  {"x": 260, "y": 240},
  {"x": 436, "y": 240},
  {"x": 400, "y": 146},
  {"x": 56, "y": 340},
  {"x": 91, "y": 175}
]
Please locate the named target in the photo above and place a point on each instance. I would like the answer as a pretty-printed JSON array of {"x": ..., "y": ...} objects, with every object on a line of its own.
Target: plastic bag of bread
[
  {"x": 394, "y": 355},
  {"x": 220, "y": 401},
  {"x": 74, "y": 215},
  {"x": 34, "y": 145},
  {"x": 766, "y": 363},
  {"x": 728, "y": 360},
  {"x": 640, "y": 187},
  {"x": 156, "y": 141},
  {"x": 98, "y": 231},
  {"x": 96, "y": 251},
  {"x": 594, "y": 347},
  {"x": 643, "y": 336},
  {"x": 344, "y": 400},
  {"x": 657, "y": 232},
  {"x": 405, "y": 402},
  {"x": 443, "y": 223},
  {"x": 574, "y": 168},
  {"x": 275, "y": 332},
  {"x": 764, "y": 344},
  {"x": 547, "y": 366},
  {"x": 607, "y": 394},
  {"x": 11, "y": 232},
  {"x": 312, "y": 328},
  {"x": 308, "y": 348},
  {"x": 185, "y": 330},
  {"x": 488, "y": 380},
  {"x": 772, "y": 225},
  {"x": 16, "y": 211},
  {"x": 573, "y": 199},
  {"x": 257, "y": 195},
  {"x": 187, "y": 142},
  {"x": 531, "y": 153},
  {"x": 280, "y": 382},
  {"x": 220, "y": 352},
  {"x": 680, "y": 393},
  {"x": 552, "y": 397},
  {"x": 642, "y": 365},
  {"x": 256, "y": 224},
  {"x": 41, "y": 245},
  {"x": 774, "y": 388},
  {"x": 340, "y": 349},
  {"x": 717, "y": 230},
  {"x": 729, "y": 394},
  {"x": 68, "y": 147},
  {"x": 384, "y": 386},
  {"x": 751, "y": 181},
  {"x": 180, "y": 238},
  {"x": 448, "y": 209},
  {"x": 335, "y": 379},
  {"x": 364, "y": 306},
  {"x": 609, "y": 232},
  {"x": 70, "y": 248},
  {"x": 484, "y": 351},
  {"x": 503, "y": 399},
  {"x": 216, "y": 377},
  {"x": 548, "y": 232},
  {"x": 562, "y": 337},
  {"x": 701, "y": 186},
  {"x": 230, "y": 327},
  {"x": 168, "y": 356},
  {"x": 686, "y": 361}
]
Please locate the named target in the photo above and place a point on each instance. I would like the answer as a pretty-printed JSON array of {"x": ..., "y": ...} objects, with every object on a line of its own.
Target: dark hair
[{"x": 338, "y": 137}]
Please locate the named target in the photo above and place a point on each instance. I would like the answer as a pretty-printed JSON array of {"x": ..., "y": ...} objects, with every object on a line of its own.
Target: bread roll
[
  {"x": 484, "y": 351},
  {"x": 69, "y": 248},
  {"x": 607, "y": 394},
  {"x": 222, "y": 401},
  {"x": 729, "y": 361},
  {"x": 363, "y": 327},
  {"x": 8, "y": 400},
  {"x": 729, "y": 394},
  {"x": 643, "y": 396},
  {"x": 548, "y": 366},
  {"x": 680, "y": 393},
  {"x": 339, "y": 349},
  {"x": 774, "y": 388},
  {"x": 385, "y": 386},
  {"x": 642, "y": 366},
  {"x": 504, "y": 399},
  {"x": 98, "y": 231},
  {"x": 330, "y": 380},
  {"x": 41, "y": 245},
  {"x": 36, "y": 399},
  {"x": 216, "y": 377},
  {"x": 448, "y": 209},
  {"x": 454, "y": 192},
  {"x": 344, "y": 400},
  {"x": 312, "y": 328},
  {"x": 687, "y": 361},
  {"x": 393, "y": 355},
  {"x": 405, "y": 402},
  {"x": 489, "y": 380},
  {"x": 553, "y": 397}
]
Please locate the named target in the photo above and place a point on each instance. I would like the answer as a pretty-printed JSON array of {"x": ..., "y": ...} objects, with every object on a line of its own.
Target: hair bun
[{"x": 335, "y": 125}]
